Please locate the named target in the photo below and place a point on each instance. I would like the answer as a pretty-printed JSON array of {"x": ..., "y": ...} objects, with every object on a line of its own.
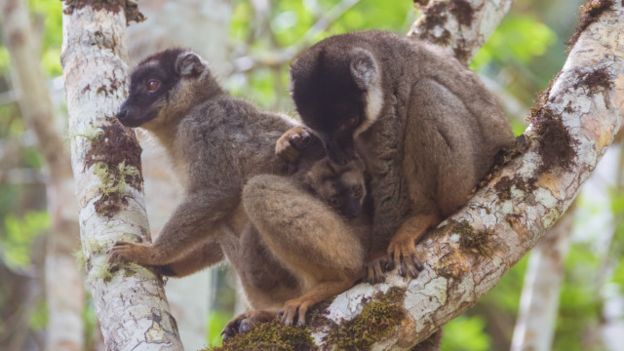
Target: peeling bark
[
  {"x": 65, "y": 325},
  {"x": 461, "y": 26},
  {"x": 509, "y": 215},
  {"x": 539, "y": 303},
  {"x": 130, "y": 302}
]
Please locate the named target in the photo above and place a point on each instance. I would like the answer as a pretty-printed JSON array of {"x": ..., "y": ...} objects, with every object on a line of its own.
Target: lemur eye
[{"x": 152, "y": 85}]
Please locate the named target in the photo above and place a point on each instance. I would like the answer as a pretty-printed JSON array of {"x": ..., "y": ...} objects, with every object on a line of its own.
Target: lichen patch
[
  {"x": 590, "y": 12},
  {"x": 379, "y": 318},
  {"x": 472, "y": 240},
  {"x": 503, "y": 188},
  {"x": 594, "y": 81},
  {"x": 435, "y": 15},
  {"x": 555, "y": 143},
  {"x": 130, "y": 8},
  {"x": 115, "y": 155},
  {"x": 270, "y": 336},
  {"x": 462, "y": 10}
]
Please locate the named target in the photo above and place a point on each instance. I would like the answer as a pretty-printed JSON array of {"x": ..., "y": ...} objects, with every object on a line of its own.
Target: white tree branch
[
  {"x": 535, "y": 326},
  {"x": 461, "y": 26},
  {"x": 130, "y": 303}
]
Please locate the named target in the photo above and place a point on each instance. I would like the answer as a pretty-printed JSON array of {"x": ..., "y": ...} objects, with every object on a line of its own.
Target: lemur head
[
  {"x": 164, "y": 86},
  {"x": 336, "y": 86},
  {"x": 343, "y": 187}
]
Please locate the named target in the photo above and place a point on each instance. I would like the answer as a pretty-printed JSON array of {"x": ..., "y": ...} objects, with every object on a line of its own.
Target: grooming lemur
[
  {"x": 426, "y": 128},
  {"x": 222, "y": 149},
  {"x": 308, "y": 235}
]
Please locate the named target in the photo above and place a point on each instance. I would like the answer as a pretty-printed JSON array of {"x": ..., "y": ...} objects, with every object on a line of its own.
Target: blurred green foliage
[
  {"x": 518, "y": 40},
  {"x": 288, "y": 23},
  {"x": 50, "y": 13},
  {"x": 465, "y": 333},
  {"x": 39, "y": 316},
  {"x": 216, "y": 322},
  {"x": 18, "y": 236}
]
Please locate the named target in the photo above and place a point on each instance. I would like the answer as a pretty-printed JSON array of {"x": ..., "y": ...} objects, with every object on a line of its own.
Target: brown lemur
[
  {"x": 311, "y": 235},
  {"x": 292, "y": 208},
  {"x": 425, "y": 126},
  {"x": 218, "y": 144}
]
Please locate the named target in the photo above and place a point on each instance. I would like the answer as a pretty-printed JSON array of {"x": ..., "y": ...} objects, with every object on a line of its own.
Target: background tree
[{"x": 63, "y": 283}]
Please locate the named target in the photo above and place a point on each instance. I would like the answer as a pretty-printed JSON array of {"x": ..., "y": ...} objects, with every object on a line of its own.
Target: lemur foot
[
  {"x": 124, "y": 252},
  {"x": 402, "y": 252},
  {"x": 376, "y": 268},
  {"x": 294, "y": 312},
  {"x": 245, "y": 322}
]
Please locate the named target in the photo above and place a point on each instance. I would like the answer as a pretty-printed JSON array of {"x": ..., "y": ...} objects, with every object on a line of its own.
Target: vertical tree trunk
[
  {"x": 130, "y": 302},
  {"x": 539, "y": 303},
  {"x": 64, "y": 290},
  {"x": 607, "y": 189}
]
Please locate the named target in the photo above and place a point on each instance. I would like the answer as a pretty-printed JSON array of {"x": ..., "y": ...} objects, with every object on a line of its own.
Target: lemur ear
[
  {"x": 189, "y": 64},
  {"x": 364, "y": 69}
]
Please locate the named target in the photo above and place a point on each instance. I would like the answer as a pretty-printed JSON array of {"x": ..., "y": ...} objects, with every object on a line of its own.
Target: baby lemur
[
  {"x": 426, "y": 128},
  {"x": 294, "y": 251}
]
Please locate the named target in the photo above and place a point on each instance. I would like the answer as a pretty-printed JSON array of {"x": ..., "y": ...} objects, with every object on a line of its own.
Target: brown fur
[
  {"x": 223, "y": 152},
  {"x": 325, "y": 249},
  {"x": 435, "y": 136}
]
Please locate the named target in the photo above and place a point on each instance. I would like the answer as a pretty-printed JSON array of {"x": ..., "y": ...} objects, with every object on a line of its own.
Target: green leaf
[{"x": 519, "y": 38}]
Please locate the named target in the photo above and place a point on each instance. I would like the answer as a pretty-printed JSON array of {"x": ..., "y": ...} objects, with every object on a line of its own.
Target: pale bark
[
  {"x": 130, "y": 303},
  {"x": 469, "y": 252},
  {"x": 539, "y": 303},
  {"x": 461, "y": 26},
  {"x": 611, "y": 182},
  {"x": 64, "y": 290}
]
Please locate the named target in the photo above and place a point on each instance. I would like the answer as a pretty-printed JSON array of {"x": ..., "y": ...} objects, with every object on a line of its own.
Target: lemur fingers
[{"x": 292, "y": 142}]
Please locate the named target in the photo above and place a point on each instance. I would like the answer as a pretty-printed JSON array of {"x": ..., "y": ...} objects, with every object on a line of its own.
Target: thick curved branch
[
  {"x": 461, "y": 26},
  {"x": 130, "y": 303}
]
